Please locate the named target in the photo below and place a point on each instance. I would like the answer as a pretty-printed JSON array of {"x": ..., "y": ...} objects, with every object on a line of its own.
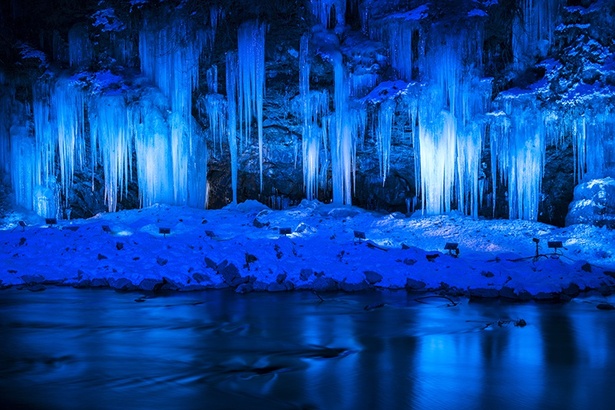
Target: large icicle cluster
[
  {"x": 449, "y": 108},
  {"x": 518, "y": 140},
  {"x": 170, "y": 58}
]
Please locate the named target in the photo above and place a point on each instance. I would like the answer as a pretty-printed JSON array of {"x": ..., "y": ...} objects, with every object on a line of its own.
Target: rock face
[
  {"x": 594, "y": 203},
  {"x": 376, "y": 64}
]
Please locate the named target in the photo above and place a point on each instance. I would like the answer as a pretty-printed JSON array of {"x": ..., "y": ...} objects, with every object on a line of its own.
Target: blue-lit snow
[{"x": 322, "y": 240}]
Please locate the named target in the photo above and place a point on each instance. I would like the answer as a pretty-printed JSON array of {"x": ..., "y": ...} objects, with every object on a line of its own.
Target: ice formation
[
  {"x": 533, "y": 30},
  {"x": 251, "y": 82},
  {"x": 594, "y": 145},
  {"x": 314, "y": 106},
  {"x": 385, "y": 116},
  {"x": 231, "y": 116},
  {"x": 330, "y": 13},
  {"x": 431, "y": 70},
  {"x": 448, "y": 109},
  {"x": 518, "y": 142}
]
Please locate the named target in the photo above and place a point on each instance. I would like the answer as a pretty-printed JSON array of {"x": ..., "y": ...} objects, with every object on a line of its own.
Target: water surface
[{"x": 70, "y": 348}]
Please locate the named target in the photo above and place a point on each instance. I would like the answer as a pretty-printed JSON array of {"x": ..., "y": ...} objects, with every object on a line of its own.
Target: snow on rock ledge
[{"x": 594, "y": 203}]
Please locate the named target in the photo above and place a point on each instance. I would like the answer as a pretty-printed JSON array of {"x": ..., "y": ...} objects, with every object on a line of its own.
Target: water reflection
[{"x": 75, "y": 349}]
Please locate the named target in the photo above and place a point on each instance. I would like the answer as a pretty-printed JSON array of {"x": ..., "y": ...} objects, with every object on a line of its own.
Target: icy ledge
[{"x": 241, "y": 247}]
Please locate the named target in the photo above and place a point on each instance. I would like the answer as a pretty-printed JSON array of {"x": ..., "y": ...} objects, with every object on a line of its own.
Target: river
[{"x": 67, "y": 348}]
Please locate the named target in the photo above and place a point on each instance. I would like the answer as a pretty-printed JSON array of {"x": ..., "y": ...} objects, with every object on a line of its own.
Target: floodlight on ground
[
  {"x": 536, "y": 241},
  {"x": 51, "y": 221},
  {"x": 106, "y": 228},
  {"x": 452, "y": 248},
  {"x": 359, "y": 235},
  {"x": 164, "y": 231},
  {"x": 285, "y": 231},
  {"x": 23, "y": 225},
  {"x": 555, "y": 245}
]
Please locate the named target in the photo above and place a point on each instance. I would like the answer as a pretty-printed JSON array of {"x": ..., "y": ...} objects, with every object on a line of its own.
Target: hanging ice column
[
  {"x": 450, "y": 125},
  {"x": 231, "y": 96},
  {"x": 343, "y": 131},
  {"x": 251, "y": 83},
  {"x": 59, "y": 133},
  {"x": 533, "y": 30},
  {"x": 329, "y": 12},
  {"x": 109, "y": 130},
  {"x": 594, "y": 139},
  {"x": 314, "y": 105},
  {"x": 517, "y": 152},
  {"x": 384, "y": 128},
  {"x": 170, "y": 58}
]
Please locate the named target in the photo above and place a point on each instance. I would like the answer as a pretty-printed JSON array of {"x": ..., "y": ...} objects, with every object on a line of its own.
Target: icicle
[
  {"x": 6, "y": 103},
  {"x": 69, "y": 109},
  {"x": 251, "y": 82},
  {"x": 80, "y": 50},
  {"x": 518, "y": 144},
  {"x": 212, "y": 79},
  {"x": 232, "y": 95},
  {"x": 150, "y": 133},
  {"x": 384, "y": 128},
  {"x": 23, "y": 166},
  {"x": 449, "y": 132},
  {"x": 213, "y": 107},
  {"x": 170, "y": 58},
  {"x": 314, "y": 105},
  {"x": 44, "y": 131},
  {"x": 330, "y": 13},
  {"x": 109, "y": 123},
  {"x": 594, "y": 145},
  {"x": 533, "y": 30},
  {"x": 345, "y": 128},
  {"x": 362, "y": 82}
]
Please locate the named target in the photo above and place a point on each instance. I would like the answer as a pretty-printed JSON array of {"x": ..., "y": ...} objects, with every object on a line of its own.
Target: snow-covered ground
[{"x": 241, "y": 246}]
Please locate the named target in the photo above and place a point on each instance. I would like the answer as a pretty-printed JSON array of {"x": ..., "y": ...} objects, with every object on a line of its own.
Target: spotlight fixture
[
  {"x": 106, "y": 228},
  {"x": 285, "y": 231},
  {"x": 555, "y": 245},
  {"x": 359, "y": 235},
  {"x": 23, "y": 225},
  {"x": 51, "y": 221},
  {"x": 536, "y": 241},
  {"x": 452, "y": 248},
  {"x": 164, "y": 231}
]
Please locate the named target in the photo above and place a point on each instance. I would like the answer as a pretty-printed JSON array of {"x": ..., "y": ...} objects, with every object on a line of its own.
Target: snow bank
[{"x": 328, "y": 248}]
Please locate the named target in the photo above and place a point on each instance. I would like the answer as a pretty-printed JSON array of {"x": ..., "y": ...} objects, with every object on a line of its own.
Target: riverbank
[{"x": 313, "y": 246}]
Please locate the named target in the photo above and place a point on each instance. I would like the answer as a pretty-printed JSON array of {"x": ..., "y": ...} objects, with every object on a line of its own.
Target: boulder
[
  {"x": 414, "y": 285},
  {"x": 324, "y": 284},
  {"x": 484, "y": 293},
  {"x": 372, "y": 277}
]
